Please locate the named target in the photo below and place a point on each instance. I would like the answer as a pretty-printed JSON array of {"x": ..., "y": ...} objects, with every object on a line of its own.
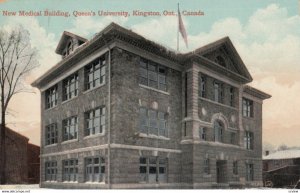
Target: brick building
[
  {"x": 22, "y": 159},
  {"x": 120, "y": 111}
]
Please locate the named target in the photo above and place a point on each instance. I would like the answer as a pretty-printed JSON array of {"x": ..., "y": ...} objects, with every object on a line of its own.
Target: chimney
[{"x": 267, "y": 153}]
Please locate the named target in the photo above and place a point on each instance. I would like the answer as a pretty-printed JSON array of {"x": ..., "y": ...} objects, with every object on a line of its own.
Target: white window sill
[
  {"x": 94, "y": 88},
  {"x": 94, "y": 182},
  {"x": 154, "y": 89},
  {"x": 217, "y": 103},
  {"x": 94, "y": 135},
  {"x": 206, "y": 175},
  {"x": 51, "y": 145},
  {"x": 51, "y": 181},
  {"x": 69, "y": 141},
  {"x": 48, "y": 109},
  {"x": 70, "y": 182},
  {"x": 66, "y": 101},
  {"x": 153, "y": 136}
]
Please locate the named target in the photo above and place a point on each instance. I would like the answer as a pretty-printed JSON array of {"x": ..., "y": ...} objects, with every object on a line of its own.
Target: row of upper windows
[
  {"x": 94, "y": 124},
  {"x": 218, "y": 95},
  {"x": 218, "y": 136},
  {"x": 218, "y": 91},
  {"x": 94, "y": 170},
  {"x": 94, "y": 75},
  {"x": 151, "y": 74}
]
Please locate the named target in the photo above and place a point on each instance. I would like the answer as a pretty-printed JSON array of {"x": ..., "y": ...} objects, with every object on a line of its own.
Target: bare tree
[{"x": 17, "y": 58}]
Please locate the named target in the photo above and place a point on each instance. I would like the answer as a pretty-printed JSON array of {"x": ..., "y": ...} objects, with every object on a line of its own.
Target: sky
[{"x": 265, "y": 33}]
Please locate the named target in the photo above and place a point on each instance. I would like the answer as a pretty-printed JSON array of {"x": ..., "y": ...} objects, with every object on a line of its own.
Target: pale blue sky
[{"x": 214, "y": 10}]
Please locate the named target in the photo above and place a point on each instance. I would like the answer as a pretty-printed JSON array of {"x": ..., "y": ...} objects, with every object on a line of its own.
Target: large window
[
  {"x": 206, "y": 166},
  {"x": 95, "y": 169},
  {"x": 51, "y": 97},
  {"x": 153, "y": 122},
  {"x": 95, "y": 121},
  {"x": 202, "y": 86},
  {"x": 152, "y": 75},
  {"x": 70, "y": 170},
  {"x": 247, "y": 108},
  {"x": 51, "y": 134},
  {"x": 70, "y": 87},
  {"x": 218, "y": 131},
  {"x": 249, "y": 172},
  {"x": 95, "y": 73},
  {"x": 248, "y": 140},
  {"x": 51, "y": 171},
  {"x": 153, "y": 169},
  {"x": 218, "y": 92},
  {"x": 233, "y": 139},
  {"x": 70, "y": 128}
]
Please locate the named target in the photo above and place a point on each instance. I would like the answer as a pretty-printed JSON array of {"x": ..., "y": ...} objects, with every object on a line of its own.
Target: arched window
[
  {"x": 220, "y": 60},
  {"x": 218, "y": 131}
]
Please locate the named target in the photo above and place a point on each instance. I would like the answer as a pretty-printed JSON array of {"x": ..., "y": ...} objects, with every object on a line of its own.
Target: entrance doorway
[{"x": 221, "y": 171}]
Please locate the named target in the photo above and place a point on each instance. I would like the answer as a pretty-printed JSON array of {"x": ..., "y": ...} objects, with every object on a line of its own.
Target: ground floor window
[
  {"x": 70, "y": 170},
  {"x": 206, "y": 166},
  {"x": 235, "y": 168},
  {"x": 153, "y": 169},
  {"x": 95, "y": 169},
  {"x": 51, "y": 171},
  {"x": 249, "y": 172}
]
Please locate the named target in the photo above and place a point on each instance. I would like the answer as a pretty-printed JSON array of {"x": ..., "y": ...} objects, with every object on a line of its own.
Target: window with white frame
[
  {"x": 51, "y": 134},
  {"x": 153, "y": 169},
  {"x": 95, "y": 121},
  {"x": 70, "y": 128},
  {"x": 51, "y": 97},
  {"x": 203, "y": 133},
  {"x": 95, "y": 169},
  {"x": 247, "y": 108},
  {"x": 218, "y": 131},
  {"x": 70, "y": 170},
  {"x": 153, "y": 122},
  {"x": 218, "y": 92},
  {"x": 206, "y": 166},
  {"x": 95, "y": 73},
  {"x": 51, "y": 171},
  {"x": 152, "y": 75},
  {"x": 249, "y": 172},
  {"x": 70, "y": 87},
  {"x": 248, "y": 140}
]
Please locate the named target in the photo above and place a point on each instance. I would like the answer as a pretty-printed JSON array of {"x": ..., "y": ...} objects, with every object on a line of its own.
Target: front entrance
[{"x": 221, "y": 171}]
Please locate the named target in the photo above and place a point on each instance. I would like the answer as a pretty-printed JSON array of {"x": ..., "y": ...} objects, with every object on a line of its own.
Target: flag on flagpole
[{"x": 181, "y": 29}]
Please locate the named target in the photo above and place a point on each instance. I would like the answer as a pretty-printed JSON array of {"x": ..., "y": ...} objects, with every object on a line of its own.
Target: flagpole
[{"x": 178, "y": 29}]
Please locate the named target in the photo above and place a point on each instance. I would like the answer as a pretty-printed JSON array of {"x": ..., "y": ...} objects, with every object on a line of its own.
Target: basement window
[
  {"x": 51, "y": 171},
  {"x": 153, "y": 169},
  {"x": 70, "y": 170},
  {"x": 95, "y": 169}
]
